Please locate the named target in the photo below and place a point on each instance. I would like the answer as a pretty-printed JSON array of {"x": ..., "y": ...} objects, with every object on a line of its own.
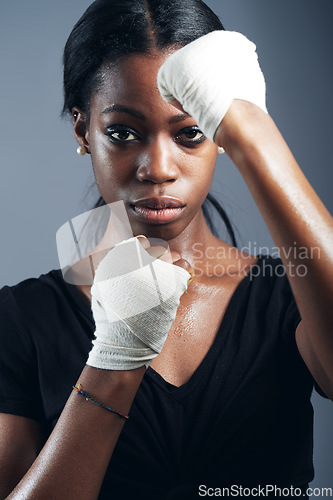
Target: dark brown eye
[
  {"x": 192, "y": 135},
  {"x": 121, "y": 135}
]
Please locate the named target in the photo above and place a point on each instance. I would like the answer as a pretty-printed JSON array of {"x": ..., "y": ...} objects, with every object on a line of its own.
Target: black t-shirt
[{"x": 243, "y": 418}]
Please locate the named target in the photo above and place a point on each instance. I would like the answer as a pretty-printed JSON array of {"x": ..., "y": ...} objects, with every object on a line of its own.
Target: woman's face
[{"x": 146, "y": 152}]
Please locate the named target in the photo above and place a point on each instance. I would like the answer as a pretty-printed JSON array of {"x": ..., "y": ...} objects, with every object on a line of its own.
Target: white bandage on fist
[
  {"x": 207, "y": 74},
  {"x": 134, "y": 302}
]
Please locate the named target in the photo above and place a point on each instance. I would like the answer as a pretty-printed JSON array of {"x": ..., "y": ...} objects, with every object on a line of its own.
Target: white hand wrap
[
  {"x": 134, "y": 302},
  {"x": 207, "y": 74}
]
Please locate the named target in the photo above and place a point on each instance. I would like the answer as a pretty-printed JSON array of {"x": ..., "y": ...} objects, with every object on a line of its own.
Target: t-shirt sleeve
[{"x": 19, "y": 387}]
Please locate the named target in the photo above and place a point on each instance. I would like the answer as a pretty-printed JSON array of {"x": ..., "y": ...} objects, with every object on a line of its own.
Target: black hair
[{"x": 109, "y": 30}]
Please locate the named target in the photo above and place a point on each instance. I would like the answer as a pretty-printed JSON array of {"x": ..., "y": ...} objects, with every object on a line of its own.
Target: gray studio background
[{"x": 44, "y": 183}]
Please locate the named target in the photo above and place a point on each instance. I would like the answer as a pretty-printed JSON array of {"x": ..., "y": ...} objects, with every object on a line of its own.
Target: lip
[
  {"x": 159, "y": 202},
  {"x": 158, "y": 209}
]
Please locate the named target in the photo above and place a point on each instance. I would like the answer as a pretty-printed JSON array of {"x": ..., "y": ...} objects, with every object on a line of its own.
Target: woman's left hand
[{"x": 207, "y": 74}]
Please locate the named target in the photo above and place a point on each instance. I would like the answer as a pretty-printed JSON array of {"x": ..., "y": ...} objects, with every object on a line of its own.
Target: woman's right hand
[{"x": 135, "y": 297}]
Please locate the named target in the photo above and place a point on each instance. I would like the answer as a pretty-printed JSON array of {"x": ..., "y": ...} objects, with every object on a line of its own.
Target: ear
[{"x": 81, "y": 129}]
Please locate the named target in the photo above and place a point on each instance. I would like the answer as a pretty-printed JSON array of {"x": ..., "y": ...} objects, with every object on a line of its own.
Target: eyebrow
[
  {"x": 119, "y": 108},
  {"x": 179, "y": 118}
]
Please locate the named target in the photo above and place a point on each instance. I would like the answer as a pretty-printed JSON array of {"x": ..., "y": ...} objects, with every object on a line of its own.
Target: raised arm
[
  {"x": 298, "y": 222},
  {"x": 133, "y": 308},
  {"x": 73, "y": 462}
]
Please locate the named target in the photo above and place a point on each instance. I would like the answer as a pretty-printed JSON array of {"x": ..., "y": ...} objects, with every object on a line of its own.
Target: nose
[{"x": 157, "y": 163}]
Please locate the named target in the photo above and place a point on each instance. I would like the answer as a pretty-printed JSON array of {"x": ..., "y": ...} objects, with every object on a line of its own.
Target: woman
[{"x": 220, "y": 405}]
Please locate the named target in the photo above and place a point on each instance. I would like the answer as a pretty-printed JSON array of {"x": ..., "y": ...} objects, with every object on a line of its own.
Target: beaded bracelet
[{"x": 87, "y": 398}]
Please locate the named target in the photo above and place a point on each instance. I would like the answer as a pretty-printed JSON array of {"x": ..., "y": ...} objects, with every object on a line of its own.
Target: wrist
[
  {"x": 238, "y": 131},
  {"x": 115, "y": 388},
  {"x": 115, "y": 379}
]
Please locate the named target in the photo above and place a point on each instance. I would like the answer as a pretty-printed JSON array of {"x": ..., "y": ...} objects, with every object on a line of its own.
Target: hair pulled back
[{"x": 110, "y": 30}]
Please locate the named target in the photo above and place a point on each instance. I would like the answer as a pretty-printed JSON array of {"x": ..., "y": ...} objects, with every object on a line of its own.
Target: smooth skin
[{"x": 158, "y": 159}]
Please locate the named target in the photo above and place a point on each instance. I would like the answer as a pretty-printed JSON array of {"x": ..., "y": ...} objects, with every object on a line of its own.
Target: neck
[
  {"x": 196, "y": 244},
  {"x": 194, "y": 239}
]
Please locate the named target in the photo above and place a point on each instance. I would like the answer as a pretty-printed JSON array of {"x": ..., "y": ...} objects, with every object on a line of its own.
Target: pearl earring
[
  {"x": 81, "y": 150},
  {"x": 220, "y": 150}
]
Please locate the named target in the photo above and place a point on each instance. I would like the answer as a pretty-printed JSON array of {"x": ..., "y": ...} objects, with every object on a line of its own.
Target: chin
[{"x": 164, "y": 232}]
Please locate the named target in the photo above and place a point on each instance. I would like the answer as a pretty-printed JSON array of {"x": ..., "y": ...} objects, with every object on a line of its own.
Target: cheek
[
  {"x": 102, "y": 171},
  {"x": 109, "y": 170},
  {"x": 113, "y": 176},
  {"x": 204, "y": 171}
]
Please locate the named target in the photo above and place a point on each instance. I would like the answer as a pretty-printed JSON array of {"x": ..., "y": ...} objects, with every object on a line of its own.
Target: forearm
[
  {"x": 74, "y": 460},
  {"x": 298, "y": 221},
  {"x": 128, "y": 335}
]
